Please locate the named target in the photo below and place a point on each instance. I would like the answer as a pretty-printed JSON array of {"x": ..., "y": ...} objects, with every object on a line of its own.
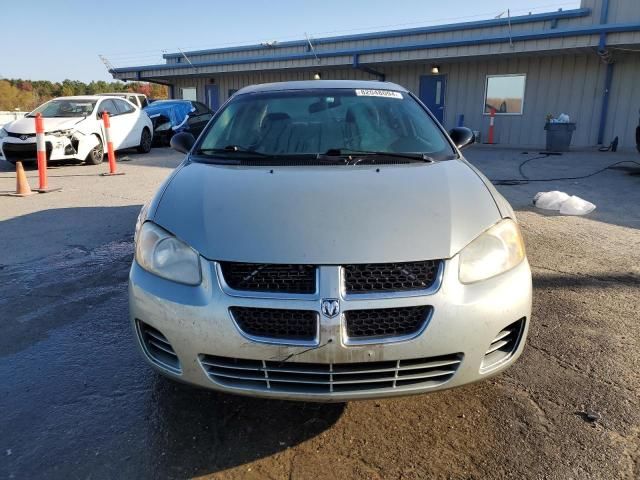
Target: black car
[{"x": 173, "y": 116}]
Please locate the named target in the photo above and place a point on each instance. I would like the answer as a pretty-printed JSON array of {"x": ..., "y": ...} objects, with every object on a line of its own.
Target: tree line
[{"x": 25, "y": 95}]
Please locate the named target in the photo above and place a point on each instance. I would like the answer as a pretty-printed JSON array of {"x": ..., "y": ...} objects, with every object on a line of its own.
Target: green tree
[
  {"x": 28, "y": 94},
  {"x": 11, "y": 97}
]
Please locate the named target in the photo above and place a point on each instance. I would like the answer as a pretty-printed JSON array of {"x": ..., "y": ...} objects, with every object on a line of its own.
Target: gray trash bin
[{"x": 559, "y": 136}]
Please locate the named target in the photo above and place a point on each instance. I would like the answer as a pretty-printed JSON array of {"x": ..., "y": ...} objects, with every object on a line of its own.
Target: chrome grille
[
  {"x": 309, "y": 378},
  {"x": 21, "y": 135},
  {"x": 390, "y": 277},
  {"x": 268, "y": 277},
  {"x": 281, "y": 324},
  {"x": 158, "y": 347},
  {"x": 382, "y": 323},
  {"x": 504, "y": 345}
]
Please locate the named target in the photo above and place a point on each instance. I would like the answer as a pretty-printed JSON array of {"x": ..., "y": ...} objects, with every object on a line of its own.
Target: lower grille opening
[
  {"x": 23, "y": 151},
  {"x": 158, "y": 347},
  {"x": 504, "y": 345},
  {"x": 302, "y": 378},
  {"x": 280, "y": 324},
  {"x": 383, "y": 323}
]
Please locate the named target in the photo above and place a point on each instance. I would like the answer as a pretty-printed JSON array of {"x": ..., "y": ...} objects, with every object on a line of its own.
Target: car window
[
  {"x": 201, "y": 108},
  {"x": 133, "y": 99},
  {"x": 312, "y": 122},
  {"x": 194, "y": 120},
  {"x": 108, "y": 106},
  {"x": 65, "y": 108},
  {"x": 143, "y": 101},
  {"x": 124, "y": 107}
]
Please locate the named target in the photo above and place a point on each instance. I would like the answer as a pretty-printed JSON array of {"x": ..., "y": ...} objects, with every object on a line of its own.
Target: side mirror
[
  {"x": 462, "y": 136},
  {"x": 182, "y": 142}
]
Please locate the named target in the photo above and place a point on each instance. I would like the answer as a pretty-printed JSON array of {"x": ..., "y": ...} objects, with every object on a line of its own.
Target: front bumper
[
  {"x": 466, "y": 319},
  {"x": 63, "y": 147}
]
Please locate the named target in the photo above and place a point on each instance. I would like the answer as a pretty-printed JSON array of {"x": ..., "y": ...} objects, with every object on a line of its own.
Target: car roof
[
  {"x": 172, "y": 100},
  {"x": 322, "y": 84},
  {"x": 120, "y": 94},
  {"x": 79, "y": 97}
]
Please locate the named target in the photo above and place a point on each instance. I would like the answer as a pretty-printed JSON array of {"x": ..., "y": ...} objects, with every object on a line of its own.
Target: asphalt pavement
[{"x": 77, "y": 400}]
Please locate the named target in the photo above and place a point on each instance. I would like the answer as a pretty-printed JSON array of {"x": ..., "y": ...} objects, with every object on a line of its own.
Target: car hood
[
  {"x": 28, "y": 125},
  {"x": 327, "y": 215}
]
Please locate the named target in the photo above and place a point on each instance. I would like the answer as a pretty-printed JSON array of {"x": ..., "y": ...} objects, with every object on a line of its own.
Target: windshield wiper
[
  {"x": 360, "y": 155},
  {"x": 286, "y": 157},
  {"x": 233, "y": 149}
]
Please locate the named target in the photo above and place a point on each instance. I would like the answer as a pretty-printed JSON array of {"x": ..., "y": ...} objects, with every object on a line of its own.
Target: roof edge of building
[
  {"x": 494, "y": 22},
  {"x": 522, "y": 36}
]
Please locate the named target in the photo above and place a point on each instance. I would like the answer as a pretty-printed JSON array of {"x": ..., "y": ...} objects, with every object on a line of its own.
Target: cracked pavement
[{"x": 77, "y": 401}]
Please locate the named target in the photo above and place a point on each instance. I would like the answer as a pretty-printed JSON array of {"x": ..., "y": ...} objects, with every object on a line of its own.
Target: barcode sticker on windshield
[{"x": 378, "y": 93}]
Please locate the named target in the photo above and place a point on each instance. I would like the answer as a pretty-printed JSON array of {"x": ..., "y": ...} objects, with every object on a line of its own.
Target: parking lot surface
[{"x": 77, "y": 401}]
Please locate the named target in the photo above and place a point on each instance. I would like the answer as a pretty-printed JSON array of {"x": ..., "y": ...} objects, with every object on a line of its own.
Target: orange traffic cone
[{"x": 22, "y": 185}]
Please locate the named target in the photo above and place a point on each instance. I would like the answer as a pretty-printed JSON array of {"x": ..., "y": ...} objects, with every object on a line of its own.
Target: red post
[
  {"x": 492, "y": 117},
  {"x": 107, "y": 133},
  {"x": 41, "y": 153}
]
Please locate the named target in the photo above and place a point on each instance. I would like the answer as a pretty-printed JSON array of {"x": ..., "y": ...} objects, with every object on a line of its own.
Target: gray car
[{"x": 327, "y": 241}]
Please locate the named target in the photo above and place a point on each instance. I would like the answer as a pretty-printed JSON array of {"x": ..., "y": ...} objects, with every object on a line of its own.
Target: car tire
[
  {"x": 145, "y": 141},
  {"x": 96, "y": 155}
]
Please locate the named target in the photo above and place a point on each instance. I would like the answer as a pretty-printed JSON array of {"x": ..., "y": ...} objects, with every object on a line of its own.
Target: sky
[{"x": 57, "y": 40}]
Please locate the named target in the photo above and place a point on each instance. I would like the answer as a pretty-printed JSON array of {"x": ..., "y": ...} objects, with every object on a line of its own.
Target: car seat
[
  {"x": 362, "y": 127},
  {"x": 272, "y": 129}
]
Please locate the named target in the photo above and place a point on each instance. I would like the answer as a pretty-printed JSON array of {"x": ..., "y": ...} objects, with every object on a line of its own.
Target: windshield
[
  {"x": 322, "y": 121},
  {"x": 65, "y": 108}
]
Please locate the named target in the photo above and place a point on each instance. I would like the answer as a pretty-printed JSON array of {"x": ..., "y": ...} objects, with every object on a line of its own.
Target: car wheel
[
  {"x": 96, "y": 155},
  {"x": 145, "y": 141}
]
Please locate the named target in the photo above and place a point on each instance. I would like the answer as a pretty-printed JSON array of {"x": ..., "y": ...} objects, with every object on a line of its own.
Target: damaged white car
[{"x": 74, "y": 130}]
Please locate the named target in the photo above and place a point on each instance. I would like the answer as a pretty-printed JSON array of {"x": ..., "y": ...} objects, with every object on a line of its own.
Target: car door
[
  {"x": 128, "y": 117},
  {"x": 199, "y": 118},
  {"x": 118, "y": 128}
]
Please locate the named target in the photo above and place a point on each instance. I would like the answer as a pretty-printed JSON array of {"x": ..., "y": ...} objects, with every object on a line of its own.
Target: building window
[
  {"x": 189, "y": 93},
  {"x": 505, "y": 94}
]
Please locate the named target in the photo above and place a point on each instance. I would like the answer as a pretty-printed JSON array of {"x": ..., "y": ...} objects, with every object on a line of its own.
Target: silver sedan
[{"x": 327, "y": 241}]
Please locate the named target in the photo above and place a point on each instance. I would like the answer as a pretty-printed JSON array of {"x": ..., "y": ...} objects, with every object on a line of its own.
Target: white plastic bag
[
  {"x": 563, "y": 118},
  {"x": 550, "y": 200},
  {"x": 576, "y": 206},
  {"x": 567, "y": 205}
]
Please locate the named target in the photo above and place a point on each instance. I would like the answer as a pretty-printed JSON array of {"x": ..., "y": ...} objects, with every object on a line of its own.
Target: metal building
[{"x": 584, "y": 62}]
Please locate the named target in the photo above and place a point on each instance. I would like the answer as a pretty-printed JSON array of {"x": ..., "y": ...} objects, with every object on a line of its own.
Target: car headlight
[
  {"x": 3, "y": 133},
  {"x": 495, "y": 251},
  {"x": 162, "y": 254},
  {"x": 142, "y": 217},
  {"x": 165, "y": 126},
  {"x": 61, "y": 133}
]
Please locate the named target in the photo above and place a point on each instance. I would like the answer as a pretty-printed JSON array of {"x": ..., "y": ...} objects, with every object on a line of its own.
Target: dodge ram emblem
[{"x": 330, "y": 307}]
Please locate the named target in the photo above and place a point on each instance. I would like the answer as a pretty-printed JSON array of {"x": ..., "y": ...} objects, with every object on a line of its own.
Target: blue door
[
  {"x": 213, "y": 99},
  {"x": 432, "y": 94}
]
